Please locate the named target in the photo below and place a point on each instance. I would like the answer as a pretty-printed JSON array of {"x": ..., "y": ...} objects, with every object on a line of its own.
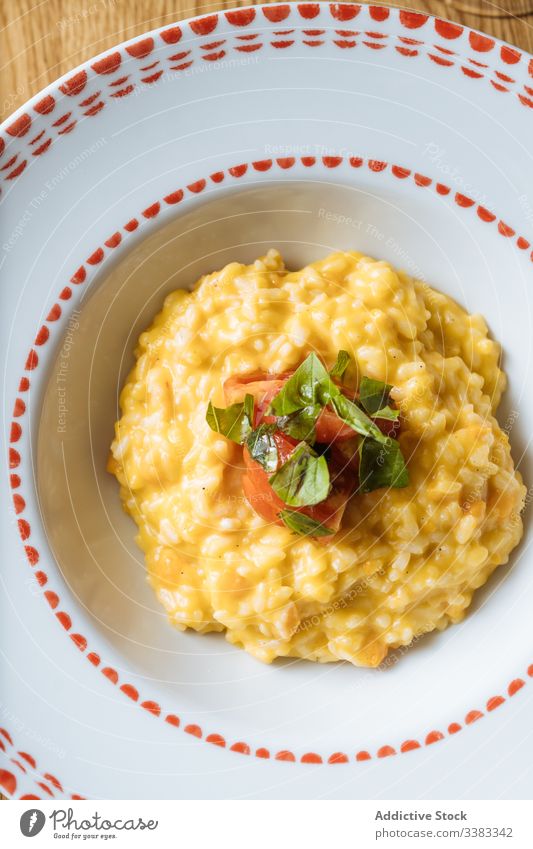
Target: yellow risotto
[{"x": 406, "y": 560}]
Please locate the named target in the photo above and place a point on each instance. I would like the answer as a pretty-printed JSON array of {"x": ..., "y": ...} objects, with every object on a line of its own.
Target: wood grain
[{"x": 42, "y": 39}]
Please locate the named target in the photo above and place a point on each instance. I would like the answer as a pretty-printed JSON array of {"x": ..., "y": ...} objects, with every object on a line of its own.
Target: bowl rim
[
  {"x": 188, "y": 193},
  {"x": 198, "y": 26}
]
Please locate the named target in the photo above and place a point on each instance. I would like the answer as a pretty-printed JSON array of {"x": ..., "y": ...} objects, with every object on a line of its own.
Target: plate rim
[
  {"x": 150, "y": 213},
  {"x": 16, "y": 125}
]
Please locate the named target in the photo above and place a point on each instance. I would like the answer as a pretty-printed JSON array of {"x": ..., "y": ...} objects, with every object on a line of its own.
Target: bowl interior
[{"x": 93, "y": 540}]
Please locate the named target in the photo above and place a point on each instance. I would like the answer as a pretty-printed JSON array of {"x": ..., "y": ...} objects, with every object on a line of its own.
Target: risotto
[{"x": 312, "y": 459}]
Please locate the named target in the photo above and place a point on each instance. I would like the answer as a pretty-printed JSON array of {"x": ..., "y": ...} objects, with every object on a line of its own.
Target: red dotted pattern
[
  {"x": 119, "y": 81},
  {"x": 23, "y": 766},
  {"x": 232, "y": 174}
]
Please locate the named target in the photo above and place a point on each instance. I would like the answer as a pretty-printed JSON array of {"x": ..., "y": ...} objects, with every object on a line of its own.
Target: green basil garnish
[
  {"x": 304, "y": 525},
  {"x": 341, "y": 364},
  {"x": 249, "y": 405},
  {"x": 353, "y": 416},
  {"x": 302, "y": 388},
  {"x": 387, "y": 413},
  {"x": 381, "y": 465},
  {"x": 233, "y": 422},
  {"x": 303, "y": 479},
  {"x": 301, "y": 424},
  {"x": 374, "y": 395},
  {"x": 262, "y": 446}
]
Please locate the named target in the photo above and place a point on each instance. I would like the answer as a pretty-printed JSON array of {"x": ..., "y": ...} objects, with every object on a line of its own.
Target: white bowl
[{"x": 307, "y": 128}]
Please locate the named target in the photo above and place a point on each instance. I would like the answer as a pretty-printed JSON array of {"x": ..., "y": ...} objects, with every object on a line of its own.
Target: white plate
[{"x": 305, "y": 127}]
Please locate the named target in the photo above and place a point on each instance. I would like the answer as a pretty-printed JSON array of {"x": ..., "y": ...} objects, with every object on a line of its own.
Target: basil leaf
[
  {"x": 304, "y": 525},
  {"x": 381, "y": 465},
  {"x": 301, "y": 389},
  {"x": 249, "y": 402},
  {"x": 233, "y": 422},
  {"x": 303, "y": 479},
  {"x": 341, "y": 364},
  {"x": 262, "y": 446},
  {"x": 301, "y": 424},
  {"x": 386, "y": 413},
  {"x": 327, "y": 390},
  {"x": 374, "y": 395},
  {"x": 353, "y": 416}
]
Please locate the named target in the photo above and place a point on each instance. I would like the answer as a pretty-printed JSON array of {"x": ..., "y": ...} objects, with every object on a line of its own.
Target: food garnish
[
  {"x": 292, "y": 427},
  {"x": 304, "y": 525},
  {"x": 303, "y": 479},
  {"x": 233, "y": 422}
]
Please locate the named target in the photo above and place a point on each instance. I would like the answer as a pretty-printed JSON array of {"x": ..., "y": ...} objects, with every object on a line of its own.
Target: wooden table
[{"x": 43, "y": 39}]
